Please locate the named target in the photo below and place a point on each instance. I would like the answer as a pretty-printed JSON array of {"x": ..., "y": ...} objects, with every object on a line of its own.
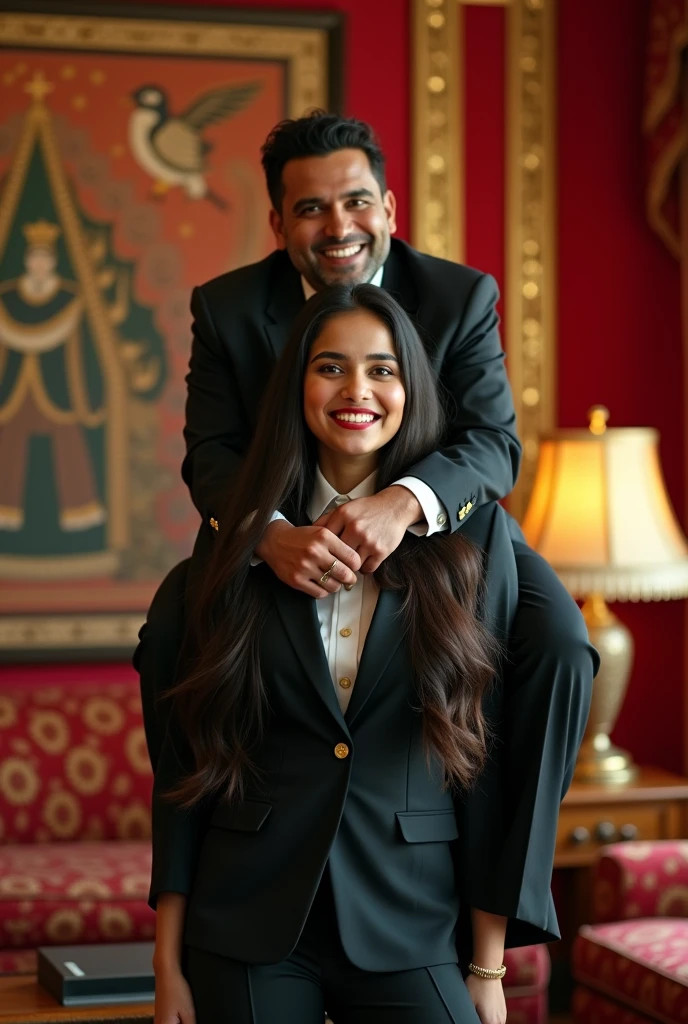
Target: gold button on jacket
[
  {"x": 341, "y": 751},
  {"x": 345, "y": 682}
]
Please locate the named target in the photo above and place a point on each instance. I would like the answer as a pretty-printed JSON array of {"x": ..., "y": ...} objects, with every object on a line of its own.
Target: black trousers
[{"x": 319, "y": 978}]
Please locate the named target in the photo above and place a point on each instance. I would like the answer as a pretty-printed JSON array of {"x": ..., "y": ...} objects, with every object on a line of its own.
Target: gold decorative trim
[
  {"x": 651, "y": 583},
  {"x": 64, "y": 596},
  {"x": 683, "y": 185},
  {"x": 437, "y": 128},
  {"x": 438, "y": 188},
  {"x": 305, "y": 49},
  {"x": 59, "y": 567},
  {"x": 530, "y": 286},
  {"x": 69, "y": 632}
]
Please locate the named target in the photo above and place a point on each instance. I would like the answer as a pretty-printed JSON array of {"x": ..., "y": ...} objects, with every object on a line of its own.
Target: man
[{"x": 333, "y": 217}]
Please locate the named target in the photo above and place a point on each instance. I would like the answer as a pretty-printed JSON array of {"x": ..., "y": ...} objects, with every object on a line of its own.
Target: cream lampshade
[{"x": 599, "y": 513}]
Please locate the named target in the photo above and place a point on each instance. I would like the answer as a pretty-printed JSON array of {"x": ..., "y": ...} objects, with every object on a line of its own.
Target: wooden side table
[
  {"x": 23, "y": 1001},
  {"x": 655, "y": 806}
]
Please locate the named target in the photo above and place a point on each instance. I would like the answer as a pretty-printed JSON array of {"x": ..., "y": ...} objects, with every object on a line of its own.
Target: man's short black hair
[{"x": 317, "y": 134}]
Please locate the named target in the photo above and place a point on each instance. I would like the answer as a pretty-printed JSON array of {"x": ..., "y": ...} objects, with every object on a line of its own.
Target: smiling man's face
[{"x": 334, "y": 222}]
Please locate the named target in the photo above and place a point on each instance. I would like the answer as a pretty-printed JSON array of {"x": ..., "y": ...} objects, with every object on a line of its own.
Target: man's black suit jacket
[
  {"x": 402, "y": 852},
  {"x": 241, "y": 324}
]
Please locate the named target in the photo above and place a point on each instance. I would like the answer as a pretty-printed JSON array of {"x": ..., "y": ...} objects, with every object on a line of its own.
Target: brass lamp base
[{"x": 599, "y": 761}]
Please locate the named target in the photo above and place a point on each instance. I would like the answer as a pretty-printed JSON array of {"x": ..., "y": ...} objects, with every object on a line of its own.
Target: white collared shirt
[{"x": 344, "y": 617}]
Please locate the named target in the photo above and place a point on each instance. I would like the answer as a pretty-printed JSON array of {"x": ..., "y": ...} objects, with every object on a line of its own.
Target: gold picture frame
[{"x": 438, "y": 189}]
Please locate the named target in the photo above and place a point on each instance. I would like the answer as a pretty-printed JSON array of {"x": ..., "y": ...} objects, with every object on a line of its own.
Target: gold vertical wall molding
[
  {"x": 530, "y": 286},
  {"x": 437, "y": 216},
  {"x": 438, "y": 191}
]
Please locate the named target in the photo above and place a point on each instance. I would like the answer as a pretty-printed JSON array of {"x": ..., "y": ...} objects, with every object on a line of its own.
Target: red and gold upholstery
[
  {"x": 593, "y": 1008},
  {"x": 525, "y": 984},
  {"x": 641, "y": 880},
  {"x": 73, "y": 764},
  {"x": 75, "y": 785},
  {"x": 636, "y": 960}
]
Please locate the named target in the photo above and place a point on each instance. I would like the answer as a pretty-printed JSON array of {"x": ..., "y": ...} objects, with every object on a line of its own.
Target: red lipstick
[{"x": 351, "y": 425}]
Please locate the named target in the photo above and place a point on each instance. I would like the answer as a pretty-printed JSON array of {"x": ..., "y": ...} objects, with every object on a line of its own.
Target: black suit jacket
[
  {"x": 402, "y": 852},
  {"x": 242, "y": 321}
]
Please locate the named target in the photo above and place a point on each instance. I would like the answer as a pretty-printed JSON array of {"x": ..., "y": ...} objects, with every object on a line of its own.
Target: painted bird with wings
[{"x": 171, "y": 147}]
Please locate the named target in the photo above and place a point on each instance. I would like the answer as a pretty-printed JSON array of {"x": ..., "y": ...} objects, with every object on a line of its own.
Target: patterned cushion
[
  {"x": 527, "y": 969},
  {"x": 18, "y": 961},
  {"x": 643, "y": 964},
  {"x": 73, "y": 763},
  {"x": 74, "y": 892},
  {"x": 591, "y": 1008},
  {"x": 527, "y": 1009},
  {"x": 643, "y": 879}
]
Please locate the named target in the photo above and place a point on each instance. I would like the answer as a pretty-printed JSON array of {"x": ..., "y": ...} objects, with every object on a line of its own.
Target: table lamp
[{"x": 600, "y": 514}]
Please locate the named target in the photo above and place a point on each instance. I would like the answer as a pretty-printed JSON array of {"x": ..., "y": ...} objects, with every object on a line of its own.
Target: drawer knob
[
  {"x": 580, "y": 835},
  {"x": 627, "y": 832},
  {"x": 605, "y": 831}
]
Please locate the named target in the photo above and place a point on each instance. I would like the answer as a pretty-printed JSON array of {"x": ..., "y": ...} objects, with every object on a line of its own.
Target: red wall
[
  {"x": 619, "y": 319},
  {"x": 619, "y": 315}
]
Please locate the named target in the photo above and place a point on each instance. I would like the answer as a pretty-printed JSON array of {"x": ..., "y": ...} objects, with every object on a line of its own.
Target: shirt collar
[
  {"x": 324, "y": 493},
  {"x": 376, "y": 280}
]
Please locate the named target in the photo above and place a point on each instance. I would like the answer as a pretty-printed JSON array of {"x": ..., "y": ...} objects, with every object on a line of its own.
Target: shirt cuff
[
  {"x": 273, "y": 518},
  {"x": 436, "y": 518}
]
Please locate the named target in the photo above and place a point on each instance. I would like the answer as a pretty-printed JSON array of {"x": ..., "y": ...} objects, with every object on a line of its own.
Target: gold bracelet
[{"x": 486, "y": 972}]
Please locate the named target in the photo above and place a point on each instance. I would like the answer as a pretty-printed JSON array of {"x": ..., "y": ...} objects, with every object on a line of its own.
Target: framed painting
[{"x": 129, "y": 172}]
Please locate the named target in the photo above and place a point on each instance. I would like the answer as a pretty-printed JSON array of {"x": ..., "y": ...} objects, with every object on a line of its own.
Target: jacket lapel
[
  {"x": 300, "y": 620},
  {"x": 398, "y": 280},
  {"x": 286, "y": 301},
  {"x": 408, "y": 277},
  {"x": 384, "y": 636}
]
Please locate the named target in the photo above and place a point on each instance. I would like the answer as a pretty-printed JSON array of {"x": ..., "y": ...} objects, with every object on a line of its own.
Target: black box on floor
[{"x": 100, "y": 974}]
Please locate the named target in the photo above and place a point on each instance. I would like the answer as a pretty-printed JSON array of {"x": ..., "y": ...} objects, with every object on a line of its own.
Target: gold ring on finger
[{"x": 326, "y": 575}]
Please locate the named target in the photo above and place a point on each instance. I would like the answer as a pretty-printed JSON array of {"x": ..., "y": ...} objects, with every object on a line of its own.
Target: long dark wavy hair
[{"x": 221, "y": 699}]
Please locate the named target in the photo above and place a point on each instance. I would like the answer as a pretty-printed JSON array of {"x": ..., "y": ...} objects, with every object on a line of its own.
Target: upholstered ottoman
[
  {"x": 642, "y": 964},
  {"x": 635, "y": 969}
]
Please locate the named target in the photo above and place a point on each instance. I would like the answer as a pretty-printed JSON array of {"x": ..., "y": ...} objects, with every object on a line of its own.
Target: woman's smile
[{"x": 355, "y": 419}]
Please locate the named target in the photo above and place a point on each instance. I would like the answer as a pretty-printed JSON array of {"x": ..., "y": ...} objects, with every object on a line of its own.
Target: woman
[{"x": 329, "y": 788}]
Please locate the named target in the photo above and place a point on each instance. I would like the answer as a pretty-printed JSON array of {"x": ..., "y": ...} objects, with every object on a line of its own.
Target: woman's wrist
[
  {"x": 489, "y": 932},
  {"x": 490, "y": 960},
  {"x": 166, "y": 963}
]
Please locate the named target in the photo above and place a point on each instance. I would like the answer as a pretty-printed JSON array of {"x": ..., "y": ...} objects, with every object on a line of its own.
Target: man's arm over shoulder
[
  {"x": 480, "y": 458},
  {"x": 216, "y": 431}
]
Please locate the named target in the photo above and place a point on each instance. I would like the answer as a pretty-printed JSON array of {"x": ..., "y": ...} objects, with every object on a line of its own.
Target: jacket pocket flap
[
  {"x": 247, "y": 816},
  {"x": 428, "y": 826}
]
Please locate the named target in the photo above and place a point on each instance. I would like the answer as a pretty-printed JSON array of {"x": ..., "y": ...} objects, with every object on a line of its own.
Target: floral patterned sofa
[
  {"x": 632, "y": 965},
  {"x": 75, "y": 785}
]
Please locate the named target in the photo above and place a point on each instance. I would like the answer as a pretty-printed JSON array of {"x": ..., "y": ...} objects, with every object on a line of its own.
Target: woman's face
[{"x": 353, "y": 395}]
